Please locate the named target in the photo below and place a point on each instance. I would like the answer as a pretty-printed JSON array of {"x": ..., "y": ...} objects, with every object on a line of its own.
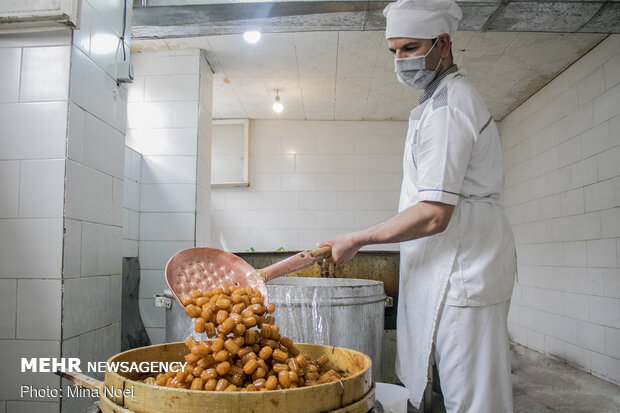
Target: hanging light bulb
[
  {"x": 251, "y": 36},
  {"x": 277, "y": 105}
]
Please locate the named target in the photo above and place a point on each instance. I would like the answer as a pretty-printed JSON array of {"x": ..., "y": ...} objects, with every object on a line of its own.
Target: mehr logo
[{"x": 51, "y": 364}]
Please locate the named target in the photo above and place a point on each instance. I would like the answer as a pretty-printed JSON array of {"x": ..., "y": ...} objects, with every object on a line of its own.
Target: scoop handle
[
  {"x": 294, "y": 263},
  {"x": 81, "y": 380}
]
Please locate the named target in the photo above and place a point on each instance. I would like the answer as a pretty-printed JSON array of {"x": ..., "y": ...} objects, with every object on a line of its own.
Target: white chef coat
[{"x": 452, "y": 155}]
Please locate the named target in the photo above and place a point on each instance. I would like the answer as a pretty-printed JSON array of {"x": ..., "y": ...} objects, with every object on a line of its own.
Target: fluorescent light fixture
[
  {"x": 252, "y": 36},
  {"x": 277, "y": 105}
]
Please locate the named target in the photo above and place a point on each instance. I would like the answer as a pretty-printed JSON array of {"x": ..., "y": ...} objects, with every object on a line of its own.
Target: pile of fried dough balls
[{"x": 247, "y": 352}]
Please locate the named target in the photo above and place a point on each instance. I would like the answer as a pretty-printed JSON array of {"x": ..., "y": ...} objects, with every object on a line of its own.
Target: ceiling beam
[{"x": 182, "y": 18}]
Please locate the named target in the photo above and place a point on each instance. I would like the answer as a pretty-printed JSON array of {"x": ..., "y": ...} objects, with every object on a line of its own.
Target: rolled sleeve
[{"x": 443, "y": 155}]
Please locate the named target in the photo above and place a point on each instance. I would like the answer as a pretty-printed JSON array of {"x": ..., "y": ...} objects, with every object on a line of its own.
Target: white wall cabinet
[{"x": 34, "y": 15}]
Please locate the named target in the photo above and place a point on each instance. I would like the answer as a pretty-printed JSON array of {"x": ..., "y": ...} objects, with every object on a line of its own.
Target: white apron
[{"x": 452, "y": 155}]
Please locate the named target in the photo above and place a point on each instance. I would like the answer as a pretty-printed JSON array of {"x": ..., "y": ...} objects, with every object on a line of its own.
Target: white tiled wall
[
  {"x": 33, "y": 115},
  {"x": 310, "y": 180},
  {"x": 94, "y": 189},
  {"x": 163, "y": 130},
  {"x": 562, "y": 159},
  {"x": 61, "y": 163},
  {"x": 131, "y": 203}
]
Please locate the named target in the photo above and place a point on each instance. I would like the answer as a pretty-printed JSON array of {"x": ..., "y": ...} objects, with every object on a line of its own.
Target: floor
[{"x": 544, "y": 385}]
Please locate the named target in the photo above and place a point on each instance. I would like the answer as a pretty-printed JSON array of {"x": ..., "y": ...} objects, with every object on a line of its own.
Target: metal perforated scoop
[{"x": 206, "y": 268}]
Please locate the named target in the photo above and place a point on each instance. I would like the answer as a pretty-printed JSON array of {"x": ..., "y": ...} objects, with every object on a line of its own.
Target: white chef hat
[{"x": 421, "y": 19}]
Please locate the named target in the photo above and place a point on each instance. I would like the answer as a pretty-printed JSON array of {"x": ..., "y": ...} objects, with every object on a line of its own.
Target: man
[{"x": 457, "y": 249}]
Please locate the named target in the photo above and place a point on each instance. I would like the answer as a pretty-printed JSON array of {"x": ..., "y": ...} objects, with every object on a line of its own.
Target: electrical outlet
[{"x": 124, "y": 72}]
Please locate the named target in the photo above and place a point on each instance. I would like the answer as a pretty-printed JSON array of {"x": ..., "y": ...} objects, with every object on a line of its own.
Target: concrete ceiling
[{"x": 329, "y": 60}]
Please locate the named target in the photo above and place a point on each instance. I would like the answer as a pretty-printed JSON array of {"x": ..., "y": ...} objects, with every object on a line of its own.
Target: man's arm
[{"x": 420, "y": 220}]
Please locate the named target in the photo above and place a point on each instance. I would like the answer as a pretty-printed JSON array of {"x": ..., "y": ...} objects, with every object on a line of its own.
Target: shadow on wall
[{"x": 133, "y": 333}]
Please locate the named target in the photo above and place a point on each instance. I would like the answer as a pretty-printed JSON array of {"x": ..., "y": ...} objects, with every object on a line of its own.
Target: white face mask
[{"x": 412, "y": 71}]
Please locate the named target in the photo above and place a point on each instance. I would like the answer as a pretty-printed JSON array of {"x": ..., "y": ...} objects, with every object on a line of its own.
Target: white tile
[
  {"x": 152, "y": 282},
  {"x": 168, "y": 169},
  {"x": 117, "y": 203},
  {"x": 298, "y": 219},
  {"x": 599, "y": 196},
  {"x": 263, "y": 145},
  {"x": 592, "y": 86},
  {"x": 168, "y": 198},
  {"x": 150, "y": 115},
  {"x": 608, "y": 163},
  {"x": 36, "y": 39},
  {"x": 97, "y": 93},
  {"x": 9, "y": 182},
  {"x": 584, "y": 172},
  {"x": 265, "y": 182},
  {"x": 75, "y": 135},
  {"x": 156, "y": 335},
  {"x": 379, "y": 182},
  {"x": 44, "y": 323},
  {"x": 13, "y": 351},
  {"x": 179, "y": 141},
  {"x": 42, "y": 185},
  {"x": 607, "y": 105},
  {"x": 612, "y": 71},
  {"x": 336, "y": 182},
  {"x": 185, "y": 114},
  {"x": 88, "y": 194},
  {"x": 81, "y": 36},
  {"x": 189, "y": 64},
  {"x": 155, "y": 254},
  {"x": 344, "y": 163},
  {"x": 44, "y": 85},
  {"x": 336, "y": 144},
  {"x": 9, "y": 72},
  {"x": 335, "y": 219},
  {"x": 601, "y": 253},
  {"x": 299, "y": 145},
  {"x": 131, "y": 195},
  {"x": 135, "y": 90},
  {"x": 8, "y": 298},
  {"x": 260, "y": 220},
  {"x": 105, "y": 46},
  {"x": 167, "y": 226},
  {"x": 92, "y": 293},
  {"x": 153, "y": 63},
  {"x": 72, "y": 250},
  {"x": 595, "y": 140},
  {"x": 103, "y": 147},
  {"x": 604, "y": 311},
  {"x": 611, "y": 282},
  {"x": 590, "y": 336},
  {"x": 111, "y": 12},
  {"x": 576, "y": 306},
  {"x": 311, "y": 163},
  {"x": 379, "y": 163},
  {"x": 171, "y": 88},
  {"x": 612, "y": 342},
  {"x": 130, "y": 248},
  {"x": 101, "y": 249},
  {"x": 299, "y": 182},
  {"x": 610, "y": 223},
  {"x": 318, "y": 200},
  {"x": 116, "y": 296},
  {"x": 272, "y": 163},
  {"x": 24, "y": 239},
  {"x": 152, "y": 316},
  {"x": 35, "y": 130},
  {"x": 587, "y": 226}
]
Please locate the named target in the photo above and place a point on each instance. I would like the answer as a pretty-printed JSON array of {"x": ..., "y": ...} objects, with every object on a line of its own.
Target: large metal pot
[{"x": 339, "y": 312}]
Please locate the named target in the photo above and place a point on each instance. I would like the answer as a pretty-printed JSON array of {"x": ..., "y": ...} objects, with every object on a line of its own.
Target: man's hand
[{"x": 344, "y": 247}]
